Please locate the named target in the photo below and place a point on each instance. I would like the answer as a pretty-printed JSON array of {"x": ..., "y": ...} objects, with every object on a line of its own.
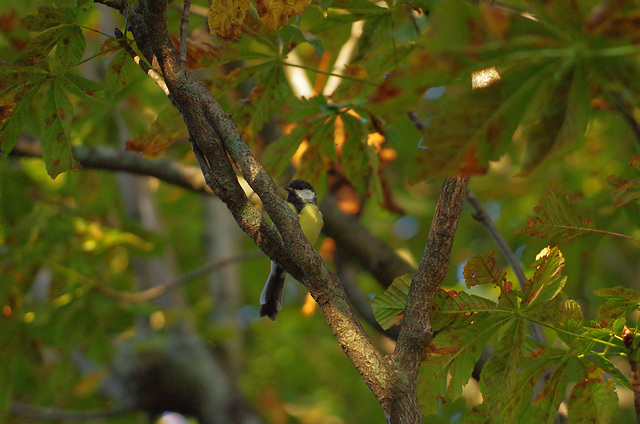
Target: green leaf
[
  {"x": 82, "y": 87},
  {"x": 490, "y": 117},
  {"x": 301, "y": 109},
  {"x": 39, "y": 47},
  {"x": 458, "y": 309},
  {"x": 70, "y": 47},
  {"x": 277, "y": 156},
  {"x": 292, "y": 35},
  {"x": 266, "y": 99},
  {"x": 20, "y": 100},
  {"x": 624, "y": 191},
  {"x": 320, "y": 153},
  {"x": 449, "y": 362},
  {"x": 556, "y": 219},
  {"x": 544, "y": 406},
  {"x": 48, "y": 17},
  {"x": 118, "y": 74},
  {"x": 547, "y": 281},
  {"x": 621, "y": 301},
  {"x": 578, "y": 107},
  {"x": 499, "y": 379},
  {"x": 570, "y": 321},
  {"x": 481, "y": 269},
  {"x": 56, "y": 144},
  {"x": 608, "y": 367},
  {"x": 388, "y": 306},
  {"x": 545, "y": 117},
  {"x": 593, "y": 399},
  {"x": 620, "y": 294},
  {"x": 355, "y": 158},
  {"x": 357, "y": 6}
]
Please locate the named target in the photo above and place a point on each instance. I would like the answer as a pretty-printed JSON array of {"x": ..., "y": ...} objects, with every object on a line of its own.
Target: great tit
[{"x": 302, "y": 200}]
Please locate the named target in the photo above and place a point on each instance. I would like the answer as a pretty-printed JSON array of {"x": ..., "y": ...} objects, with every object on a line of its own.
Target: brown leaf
[
  {"x": 275, "y": 13},
  {"x": 196, "y": 52}
]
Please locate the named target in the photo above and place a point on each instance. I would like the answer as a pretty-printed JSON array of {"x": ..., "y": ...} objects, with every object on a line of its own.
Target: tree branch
[
  {"x": 114, "y": 160},
  {"x": 214, "y": 135},
  {"x": 184, "y": 27},
  {"x": 416, "y": 333}
]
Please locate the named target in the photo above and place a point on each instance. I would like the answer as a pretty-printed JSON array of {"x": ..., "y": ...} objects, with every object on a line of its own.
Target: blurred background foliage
[{"x": 563, "y": 116}]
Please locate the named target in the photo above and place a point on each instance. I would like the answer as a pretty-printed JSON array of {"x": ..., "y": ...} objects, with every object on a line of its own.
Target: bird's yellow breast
[{"x": 311, "y": 221}]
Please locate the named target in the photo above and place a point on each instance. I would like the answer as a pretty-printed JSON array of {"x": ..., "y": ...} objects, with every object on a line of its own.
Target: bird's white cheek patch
[{"x": 307, "y": 196}]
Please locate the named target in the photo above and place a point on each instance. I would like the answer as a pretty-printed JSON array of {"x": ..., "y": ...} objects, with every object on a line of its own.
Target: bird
[{"x": 302, "y": 199}]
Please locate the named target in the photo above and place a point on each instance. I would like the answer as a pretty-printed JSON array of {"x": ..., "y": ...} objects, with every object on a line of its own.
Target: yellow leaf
[
  {"x": 89, "y": 383},
  {"x": 309, "y": 306},
  {"x": 226, "y": 16},
  {"x": 275, "y": 13}
]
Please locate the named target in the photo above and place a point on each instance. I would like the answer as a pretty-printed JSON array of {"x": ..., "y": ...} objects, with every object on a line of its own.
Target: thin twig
[
  {"x": 141, "y": 63},
  {"x": 159, "y": 290},
  {"x": 184, "y": 28},
  {"x": 57, "y": 414}
]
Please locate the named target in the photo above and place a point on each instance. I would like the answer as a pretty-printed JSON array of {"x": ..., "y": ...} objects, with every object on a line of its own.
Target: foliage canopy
[{"x": 373, "y": 103}]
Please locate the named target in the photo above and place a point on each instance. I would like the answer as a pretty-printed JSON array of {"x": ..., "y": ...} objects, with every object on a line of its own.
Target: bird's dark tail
[{"x": 272, "y": 297}]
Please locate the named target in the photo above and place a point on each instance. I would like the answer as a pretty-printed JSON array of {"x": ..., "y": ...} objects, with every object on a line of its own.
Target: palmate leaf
[
  {"x": 556, "y": 219},
  {"x": 491, "y": 115},
  {"x": 388, "y": 306}
]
